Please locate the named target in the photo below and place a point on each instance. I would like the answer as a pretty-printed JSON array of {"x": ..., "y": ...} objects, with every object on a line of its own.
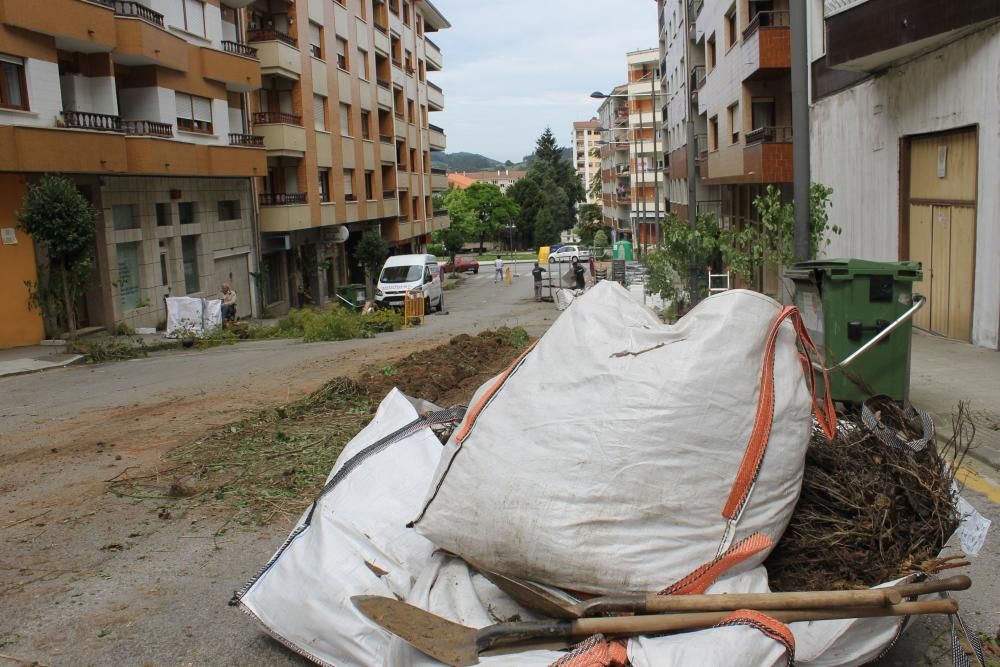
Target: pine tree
[{"x": 546, "y": 148}]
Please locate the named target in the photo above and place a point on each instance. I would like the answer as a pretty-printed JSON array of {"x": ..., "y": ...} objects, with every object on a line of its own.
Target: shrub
[{"x": 381, "y": 321}]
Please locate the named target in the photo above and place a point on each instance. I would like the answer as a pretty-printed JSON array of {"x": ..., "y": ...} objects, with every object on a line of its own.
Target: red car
[{"x": 462, "y": 263}]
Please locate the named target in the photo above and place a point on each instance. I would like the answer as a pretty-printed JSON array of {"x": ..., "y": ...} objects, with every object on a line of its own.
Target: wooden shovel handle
[
  {"x": 881, "y": 597},
  {"x": 641, "y": 625},
  {"x": 959, "y": 582}
]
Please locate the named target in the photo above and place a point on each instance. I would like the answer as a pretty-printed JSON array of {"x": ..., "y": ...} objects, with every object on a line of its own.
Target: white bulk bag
[
  {"x": 603, "y": 459},
  {"x": 188, "y": 315}
]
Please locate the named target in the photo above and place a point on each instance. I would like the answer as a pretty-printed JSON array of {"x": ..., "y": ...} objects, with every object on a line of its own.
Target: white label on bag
[{"x": 973, "y": 528}]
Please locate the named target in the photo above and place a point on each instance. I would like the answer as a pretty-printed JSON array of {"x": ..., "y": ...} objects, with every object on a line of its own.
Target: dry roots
[{"x": 869, "y": 513}]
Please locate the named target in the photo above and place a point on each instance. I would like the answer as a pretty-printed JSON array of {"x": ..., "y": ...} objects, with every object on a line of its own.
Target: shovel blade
[{"x": 441, "y": 639}]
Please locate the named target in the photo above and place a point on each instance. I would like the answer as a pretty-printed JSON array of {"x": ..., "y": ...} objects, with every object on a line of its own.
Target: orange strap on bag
[
  {"x": 761, "y": 433},
  {"x": 763, "y": 623},
  {"x": 705, "y": 575}
]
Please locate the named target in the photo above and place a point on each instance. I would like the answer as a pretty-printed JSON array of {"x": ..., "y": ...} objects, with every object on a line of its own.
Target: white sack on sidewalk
[
  {"x": 603, "y": 461},
  {"x": 193, "y": 315},
  {"x": 303, "y": 599}
]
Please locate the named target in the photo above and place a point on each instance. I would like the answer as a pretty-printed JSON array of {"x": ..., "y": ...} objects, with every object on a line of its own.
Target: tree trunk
[
  {"x": 482, "y": 244},
  {"x": 68, "y": 305}
]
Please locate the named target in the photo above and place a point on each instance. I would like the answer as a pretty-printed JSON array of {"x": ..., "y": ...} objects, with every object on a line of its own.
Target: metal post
[
  {"x": 656, "y": 158},
  {"x": 800, "y": 128},
  {"x": 692, "y": 152}
]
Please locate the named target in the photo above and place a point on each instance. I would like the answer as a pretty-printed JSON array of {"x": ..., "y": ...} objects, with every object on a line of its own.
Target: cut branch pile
[{"x": 870, "y": 513}]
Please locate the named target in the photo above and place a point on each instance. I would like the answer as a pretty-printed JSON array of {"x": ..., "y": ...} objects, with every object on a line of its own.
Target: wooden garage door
[
  {"x": 235, "y": 271},
  {"x": 942, "y": 229}
]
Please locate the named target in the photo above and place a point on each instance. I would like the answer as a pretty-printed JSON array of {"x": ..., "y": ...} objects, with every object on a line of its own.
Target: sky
[{"x": 511, "y": 67}]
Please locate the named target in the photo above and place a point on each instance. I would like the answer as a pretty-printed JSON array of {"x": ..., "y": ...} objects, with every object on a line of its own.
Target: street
[{"x": 89, "y": 578}]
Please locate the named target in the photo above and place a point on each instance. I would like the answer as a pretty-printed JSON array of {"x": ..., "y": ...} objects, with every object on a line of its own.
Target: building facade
[
  {"x": 905, "y": 127},
  {"x": 586, "y": 154},
  {"x": 344, "y": 111},
  {"x": 502, "y": 178},
  {"x": 143, "y": 105}
]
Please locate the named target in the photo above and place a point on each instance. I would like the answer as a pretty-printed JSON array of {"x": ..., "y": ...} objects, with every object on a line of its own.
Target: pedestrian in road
[
  {"x": 579, "y": 272},
  {"x": 228, "y": 303},
  {"x": 536, "y": 273},
  {"x": 498, "y": 270}
]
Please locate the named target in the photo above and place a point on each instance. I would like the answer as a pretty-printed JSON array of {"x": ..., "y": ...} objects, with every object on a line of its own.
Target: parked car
[
  {"x": 403, "y": 273},
  {"x": 462, "y": 264},
  {"x": 569, "y": 253}
]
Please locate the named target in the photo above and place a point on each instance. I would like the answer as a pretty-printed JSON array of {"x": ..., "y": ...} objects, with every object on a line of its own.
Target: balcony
[
  {"x": 85, "y": 120},
  {"x": 435, "y": 61},
  {"x": 381, "y": 41},
  {"x": 436, "y": 138},
  {"x": 239, "y": 49},
  {"x": 142, "y": 39},
  {"x": 284, "y": 211},
  {"x": 768, "y": 155},
  {"x": 697, "y": 80},
  {"x": 769, "y": 135},
  {"x": 387, "y": 149},
  {"x": 439, "y": 180},
  {"x": 246, "y": 140},
  {"x": 435, "y": 97},
  {"x": 271, "y": 117},
  {"x": 282, "y": 133},
  {"x": 278, "y": 53},
  {"x": 90, "y": 23},
  {"x": 147, "y": 128},
  {"x": 383, "y": 94},
  {"x": 132, "y": 9},
  {"x": 238, "y": 71},
  {"x": 766, "y": 51}
]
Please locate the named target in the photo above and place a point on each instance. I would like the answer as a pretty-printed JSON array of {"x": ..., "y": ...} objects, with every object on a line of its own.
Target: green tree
[
  {"x": 453, "y": 239},
  {"x": 64, "y": 223},
  {"x": 600, "y": 239},
  {"x": 546, "y": 147},
  {"x": 371, "y": 251},
  {"x": 492, "y": 210},
  {"x": 546, "y": 232},
  {"x": 670, "y": 263},
  {"x": 530, "y": 199}
]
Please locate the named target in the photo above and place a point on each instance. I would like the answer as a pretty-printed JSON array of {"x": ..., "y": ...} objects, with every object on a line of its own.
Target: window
[
  {"x": 422, "y": 70},
  {"x": 163, "y": 215},
  {"x": 324, "y": 185},
  {"x": 734, "y": 121},
  {"x": 369, "y": 185},
  {"x": 411, "y": 109},
  {"x": 129, "y": 278},
  {"x": 413, "y": 159},
  {"x": 342, "y": 54},
  {"x": 125, "y": 216},
  {"x": 731, "y": 27},
  {"x": 185, "y": 211},
  {"x": 315, "y": 40},
  {"x": 13, "y": 84},
  {"x": 408, "y": 61},
  {"x": 164, "y": 275},
  {"x": 319, "y": 112},
  {"x": 710, "y": 53},
  {"x": 349, "y": 185},
  {"x": 194, "y": 114},
  {"x": 189, "y": 255},
  {"x": 194, "y": 16},
  {"x": 363, "y": 10},
  {"x": 406, "y": 13},
  {"x": 420, "y": 25},
  {"x": 423, "y": 115},
  {"x": 364, "y": 63},
  {"x": 229, "y": 209},
  {"x": 366, "y": 123},
  {"x": 345, "y": 119},
  {"x": 713, "y": 133}
]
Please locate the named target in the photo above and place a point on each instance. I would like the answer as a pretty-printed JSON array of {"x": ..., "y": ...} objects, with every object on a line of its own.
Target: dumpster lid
[{"x": 847, "y": 269}]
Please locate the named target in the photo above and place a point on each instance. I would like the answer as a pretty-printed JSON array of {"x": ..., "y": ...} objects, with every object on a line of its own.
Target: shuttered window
[
  {"x": 319, "y": 112},
  {"x": 349, "y": 185},
  {"x": 194, "y": 16},
  {"x": 342, "y": 54},
  {"x": 345, "y": 119},
  {"x": 194, "y": 114},
  {"x": 315, "y": 40}
]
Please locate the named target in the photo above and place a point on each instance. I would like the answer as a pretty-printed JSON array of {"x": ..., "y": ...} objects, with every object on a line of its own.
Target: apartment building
[
  {"x": 631, "y": 157},
  {"x": 586, "y": 153},
  {"x": 142, "y": 104},
  {"x": 904, "y": 128},
  {"x": 502, "y": 178},
  {"x": 344, "y": 111}
]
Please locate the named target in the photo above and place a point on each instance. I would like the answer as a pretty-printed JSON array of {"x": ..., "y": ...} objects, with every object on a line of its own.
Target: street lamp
[{"x": 598, "y": 95}]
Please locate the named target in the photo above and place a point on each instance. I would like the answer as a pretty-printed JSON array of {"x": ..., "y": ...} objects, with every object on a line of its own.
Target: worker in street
[
  {"x": 536, "y": 273},
  {"x": 498, "y": 270},
  {"x": 228, "y": 303},
  {"x": 579, "y": 274}
]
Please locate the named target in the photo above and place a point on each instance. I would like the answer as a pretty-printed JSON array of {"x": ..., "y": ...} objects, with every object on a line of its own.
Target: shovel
[
  {"x": 557, "y": 604},
  {"x": 460, "y": 646}
]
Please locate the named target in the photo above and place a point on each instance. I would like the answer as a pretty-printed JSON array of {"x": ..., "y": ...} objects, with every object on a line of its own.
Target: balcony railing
[
  {"x": 431, "y": 42},
  {"x": 439, "y": 170},
  {"x": 132, "y": 9},
  {"x": 431, "y": 84},
  {"x": 431, "y": 126},
  {"x": 249, "y": 140},
  {"x": 769, "y": 19},
  {"x": 272, "y": 117},
  {"x": 386, "y": 138},
  {"x": 148, "y": 128},
  {"x": 397, "y": 63},
  {"x": 381, "y": 28},
  {"x": 282, "y": 198},
  {"x": 389, "y": 194},
  {"x": 697, "y": 77},
  {"x": 86, "y": 120},
  {"x": 270, "y": 35},
  {"x": 401, "y": 167},
  {"x": 239, "y": 49},
  {"x": 701, "y": 145},
  {"x": 770, "y": 135}
]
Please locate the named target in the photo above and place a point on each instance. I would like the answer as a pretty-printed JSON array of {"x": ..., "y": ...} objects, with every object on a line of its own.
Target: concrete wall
[
  {"x": 855, "y": 150},
  {"x": 19, "y": 324},
  {"x": 44, "y": 96}
]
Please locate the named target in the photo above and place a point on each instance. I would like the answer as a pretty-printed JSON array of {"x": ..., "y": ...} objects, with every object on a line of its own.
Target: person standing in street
[
  {"x": 579, "y": 272},
  {"x": 228, "y": 303},
  {"x": 498, "y": 270},
  {"x": 536, "y": 273}
]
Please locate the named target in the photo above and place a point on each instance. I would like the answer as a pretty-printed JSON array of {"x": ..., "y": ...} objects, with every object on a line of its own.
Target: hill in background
[{"x": 475, "y": 162}]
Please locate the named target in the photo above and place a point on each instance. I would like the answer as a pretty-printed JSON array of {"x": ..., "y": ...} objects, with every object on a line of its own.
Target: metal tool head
[
  {"x": 534, "y": 596},
  {"x": 441, "y": 639}
]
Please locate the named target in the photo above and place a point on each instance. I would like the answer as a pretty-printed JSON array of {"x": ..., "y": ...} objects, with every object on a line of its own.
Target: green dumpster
[
  {"x": 847, "y": 302},
  {"x": 623, "y": 250},
  {"x": 353, "y": 293}
]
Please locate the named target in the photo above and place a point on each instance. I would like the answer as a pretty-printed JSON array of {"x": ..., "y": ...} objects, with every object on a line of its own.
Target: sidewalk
[
  {"x": 944, "y": 372},
  {"x": 18, "y": 360}
]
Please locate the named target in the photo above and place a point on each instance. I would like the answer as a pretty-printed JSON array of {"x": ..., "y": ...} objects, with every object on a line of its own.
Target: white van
[{"x": 402, "y": 273}]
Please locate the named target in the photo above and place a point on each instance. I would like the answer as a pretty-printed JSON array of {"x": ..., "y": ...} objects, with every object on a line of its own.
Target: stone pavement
[{"x": 18, "y": 360}]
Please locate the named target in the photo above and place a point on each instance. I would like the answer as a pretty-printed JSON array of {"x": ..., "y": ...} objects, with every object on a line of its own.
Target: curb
[{"x": 62, "y": 364}]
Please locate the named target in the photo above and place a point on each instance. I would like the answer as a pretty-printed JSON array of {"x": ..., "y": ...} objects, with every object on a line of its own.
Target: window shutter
[
  {"x": 319, "y": 111},
  {"x": 345, "y": 120},
  {"x": 202, "y": 109},
  {"x": 314, "y": 34},
  {"x": 183, "y": 103},
  {"x": 195, "y": 11},
  {"x": 348, "y": 181},
  {"x": 736, "y": 118}
]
